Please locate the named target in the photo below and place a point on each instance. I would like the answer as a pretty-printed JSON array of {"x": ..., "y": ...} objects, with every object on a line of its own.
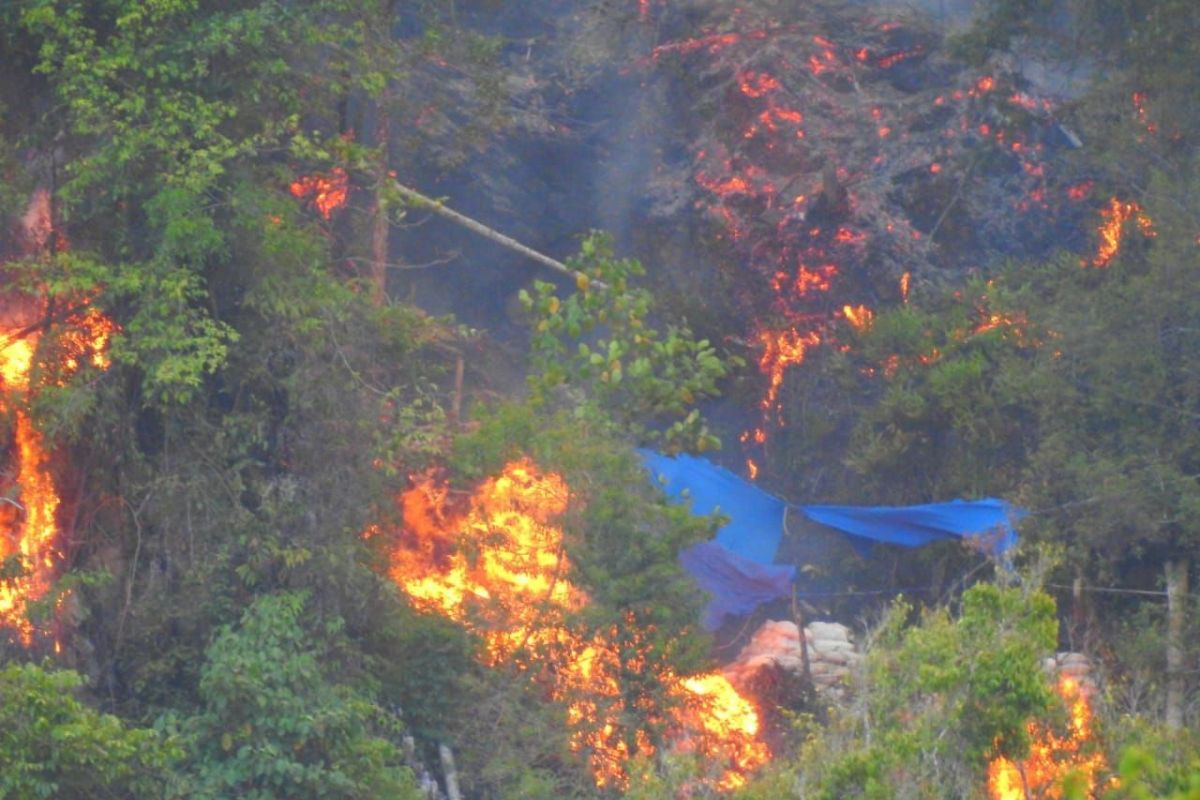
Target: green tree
[
  {"x": 947, "y": 382},
  {"x": 598, "y": 350},
  {"x": 274, "y": 726},
  {"x": 53, "y": 745},
  {"x": 939, "y": 699},
  {"x": 623, "y": 540}
]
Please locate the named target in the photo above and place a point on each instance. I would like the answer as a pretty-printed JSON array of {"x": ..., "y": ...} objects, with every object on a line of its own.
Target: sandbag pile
[
  {"x": 776, "y": 643},
  {"x": 831, "y": 655},
  {"x": 1076, "y": 666}
]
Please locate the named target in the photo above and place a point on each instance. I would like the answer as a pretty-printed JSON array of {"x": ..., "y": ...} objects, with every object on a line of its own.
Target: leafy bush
[{"x": 52, "y": 745}]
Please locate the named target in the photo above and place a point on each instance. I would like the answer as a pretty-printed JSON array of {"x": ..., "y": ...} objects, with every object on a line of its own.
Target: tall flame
[
  {"x": 1113, "y": 219},
  {"x": 29, "y": 540},
  {"x": 497, "y": 564},
  {"x": 28, "y": 528},
  {"x": 1051, "y": 757}
]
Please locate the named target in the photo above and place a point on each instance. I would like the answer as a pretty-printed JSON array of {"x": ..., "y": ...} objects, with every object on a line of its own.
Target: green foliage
[
  {"x": 160, "y": 104},
  {"x": 511, "y": 744},
  {"x": 274, "y": 726},
  {"x": 1143, "y": 775},
  {"x": 599, "y": 348},
  {"x": 421, "y": 662},
  {"x": 1116, "y": 397},
  {"x": 52, "y": 745},
  {"x": 940, "y": 699},
  {"x": 950, "y": 414}
]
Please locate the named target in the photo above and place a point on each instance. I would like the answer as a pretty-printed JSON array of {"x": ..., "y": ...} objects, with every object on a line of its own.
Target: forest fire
[
  {"x": 496, "y": 563},
  {"x": 28, "y": 527},
  {"x": 801, "y": 208},
  {"x": 1051, "y": 757},
  {"x": 327, "y": 193},
  {"x": 1113, "y": 219}
]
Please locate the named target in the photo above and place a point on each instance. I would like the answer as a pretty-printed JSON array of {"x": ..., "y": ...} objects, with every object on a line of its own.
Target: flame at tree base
[
  {"x": 28, "y": 526},
  {"x": 497, "y": 565},
  {"x": 1051, "y": 757}
]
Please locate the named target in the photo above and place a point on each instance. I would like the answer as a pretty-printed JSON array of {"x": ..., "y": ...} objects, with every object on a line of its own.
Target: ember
[
  {"x": 1143, "y": 117},
  {"x": 858, "y": 316},
  {"x": 327, "y": 193},
  {"x": 498, "y": 566}
]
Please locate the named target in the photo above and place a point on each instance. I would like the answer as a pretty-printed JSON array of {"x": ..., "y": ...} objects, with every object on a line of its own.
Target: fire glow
[
  {"x": 1051, "y": 757},
  {"x": 327, "y": 193},
  {"x": 786, "y": 201},
  {"x": 1113, "y": 220},
  {"x": 496, "y": 563},
  {"x": 29, "y": 535}
]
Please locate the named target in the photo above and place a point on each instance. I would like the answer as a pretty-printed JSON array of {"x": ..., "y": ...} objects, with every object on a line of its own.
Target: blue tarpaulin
[
  {"x": 736, "y": 585},
  {"x": 989, "y": 521},
  {"x": 755, "y": 517},
  {"x": 737, "y": 567}
]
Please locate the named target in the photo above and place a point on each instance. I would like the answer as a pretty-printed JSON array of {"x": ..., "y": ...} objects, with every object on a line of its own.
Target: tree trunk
[
  {"x": 1078, "y": 614},
  {"x": 450, "y": 772},
  {"x": 1177, "y": 585},
  {"x": 798, "y": 618},
  {"x": 380, "y": 225}
]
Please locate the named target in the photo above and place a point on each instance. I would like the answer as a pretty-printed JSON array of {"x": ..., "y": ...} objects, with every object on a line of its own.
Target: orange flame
[
  {"x": 782, "y": 349},
  {"x": 1012, "y": 324},
  {"x": 1112, "y": 229},
  {"x": 327, "y": 193},
  {"x": 1051, "y": 757},
  {"x": 1143, "y": 117},
  {"x": 28, "y": 529},
  {"x": 497, "y": 564},
  {"x": 859, "y": 316},
  {"x": 29, "y": 540}
]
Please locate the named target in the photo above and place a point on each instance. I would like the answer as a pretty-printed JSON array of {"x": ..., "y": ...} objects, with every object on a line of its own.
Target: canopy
[{"x": 737, "y": 568}]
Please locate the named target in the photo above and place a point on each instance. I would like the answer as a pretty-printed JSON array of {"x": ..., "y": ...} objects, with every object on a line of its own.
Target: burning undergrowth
[
  {"x": 839, "y": 152},
  {"x": 1054, "y": 755},
  {"x": 496, "y": 562}
]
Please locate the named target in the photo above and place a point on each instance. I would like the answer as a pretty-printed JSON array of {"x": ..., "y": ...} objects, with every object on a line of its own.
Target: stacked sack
[
  {"x": 776, "y": 643},
  {"x": 831, "y": 656},
  {"x": 1076, "y": 666}
]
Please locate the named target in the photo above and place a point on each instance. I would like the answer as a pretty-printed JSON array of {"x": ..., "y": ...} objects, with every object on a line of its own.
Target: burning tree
[
  {"x": 500, "y": 565},
  {"x": 32, "y": 547}
]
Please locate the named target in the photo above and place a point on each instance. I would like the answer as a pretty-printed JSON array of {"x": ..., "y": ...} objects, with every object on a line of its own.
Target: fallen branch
[{"x": 422, "y": 201}]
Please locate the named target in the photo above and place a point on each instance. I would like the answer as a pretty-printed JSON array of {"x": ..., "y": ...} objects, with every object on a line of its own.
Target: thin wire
[
  {"x": 903, "y": 589},
  {"x": 1116, "y": 590},
  {"x": 1108, "y": 589},
  {"x": 867, "y": 592}
]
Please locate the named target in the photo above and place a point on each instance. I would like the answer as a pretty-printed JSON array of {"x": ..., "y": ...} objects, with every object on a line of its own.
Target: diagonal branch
[{"x": 437, "y": 207}]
